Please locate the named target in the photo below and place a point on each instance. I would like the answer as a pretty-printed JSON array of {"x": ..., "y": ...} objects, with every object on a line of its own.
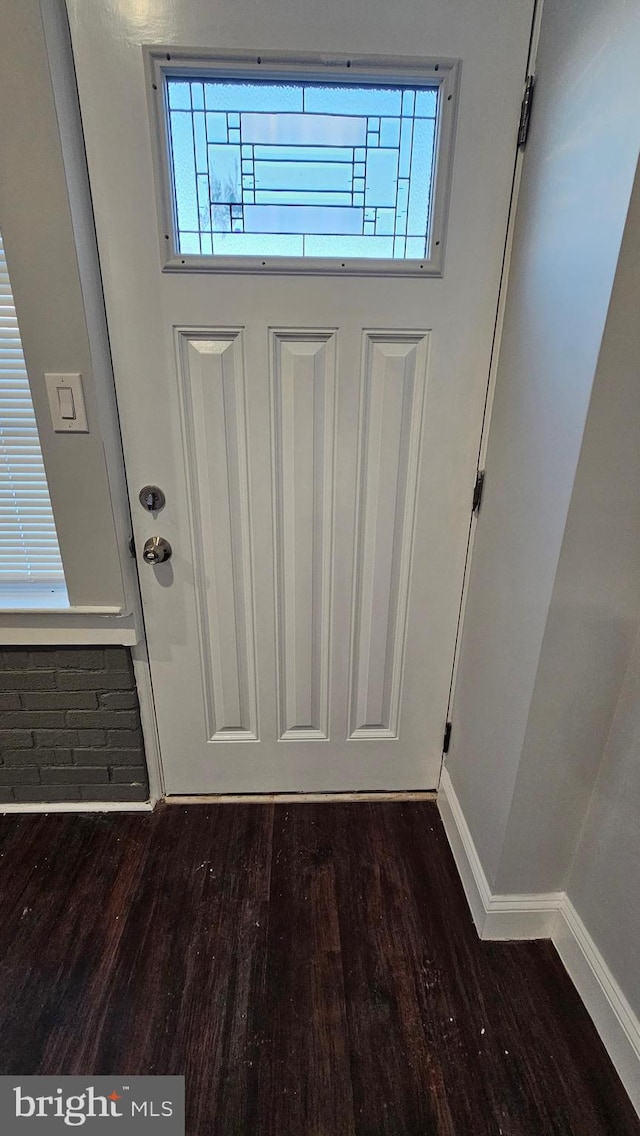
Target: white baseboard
[
  {"x": 467, "y": 860},
  {"x": 608, "y": 1008},
  {"x": 522, "y": 916},
  {"x": 79, "y": 807},
  {"x": 495, "y": 916},
  {"x": 548, "y": 916}
]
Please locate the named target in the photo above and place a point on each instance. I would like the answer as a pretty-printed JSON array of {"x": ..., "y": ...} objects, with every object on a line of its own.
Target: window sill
[{"x": 67, "y": 626}]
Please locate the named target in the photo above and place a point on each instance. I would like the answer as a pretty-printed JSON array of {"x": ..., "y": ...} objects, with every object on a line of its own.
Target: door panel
[
  {"x": 216, "y": 450},
  {"x": 316, "y": 437},
  {"x": 303, "y": 380},
  {"x": 392, "y": 398}
]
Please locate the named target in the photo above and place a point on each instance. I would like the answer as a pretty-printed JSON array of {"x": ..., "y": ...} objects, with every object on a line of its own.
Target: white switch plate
[{"x": 61, "y": 391}]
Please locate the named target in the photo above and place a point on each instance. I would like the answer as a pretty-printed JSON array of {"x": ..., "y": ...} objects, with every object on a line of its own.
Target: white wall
[
  {"x": 577, "y": 179},
  {"x": 56, "y": 284},
  {"x": 605, "y": 881},
  {"x": 594, "y": 611}
]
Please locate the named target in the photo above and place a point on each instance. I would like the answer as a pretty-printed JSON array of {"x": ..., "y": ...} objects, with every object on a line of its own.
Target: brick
[
  {"x": 107, "y": 756},
  {"x": 73, "y": 774},
  {"x": 42, "y": 657},
  {"x": 46, "y": 793},
  {"x": 103, "y": 719},
  {"x": 14, "y": 658},
  {"x": 6, "y": 795},
  {"x": 20, "y": 756},
  {"x": 60, "y": 700},
  {"x": 53, "y": 738},
  {"x": 33, "y": 680},
  {"x": 126, "y": 738},
  {"x": 37, "y": 756},
  {"x": 118, "y": 659},
  {"x": 34, "y": 718},
  {"x": 129, "y": 774},
  {"x": 10, "y": 701},
  {"x": 19, "y": 775},
  {"x": 80, "y": 658},
  {"x": 15, "y": 739},
  {"x": 93, "y": 680},
  {"x": 91, "y": 738},
  {"x": 119, "y": 699},
  {"x": 114, "y": 793}
]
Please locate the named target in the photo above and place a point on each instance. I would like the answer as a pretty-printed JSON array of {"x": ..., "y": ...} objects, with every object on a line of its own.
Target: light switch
[{"x": 66, "y": 403}]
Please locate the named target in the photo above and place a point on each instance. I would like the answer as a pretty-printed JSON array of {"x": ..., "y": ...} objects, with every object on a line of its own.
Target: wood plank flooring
[{"x": 312, "y": 969}]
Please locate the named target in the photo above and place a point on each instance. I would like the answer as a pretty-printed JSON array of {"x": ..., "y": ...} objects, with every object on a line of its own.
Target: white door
[{"x": 315, "y": 432}]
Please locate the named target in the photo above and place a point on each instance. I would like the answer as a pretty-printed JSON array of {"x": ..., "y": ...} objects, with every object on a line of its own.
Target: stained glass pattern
[{"x": 267, "y": 168}]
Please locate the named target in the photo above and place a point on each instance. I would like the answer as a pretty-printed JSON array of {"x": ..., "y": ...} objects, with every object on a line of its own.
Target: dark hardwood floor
[{"x": 311, "y": 969}]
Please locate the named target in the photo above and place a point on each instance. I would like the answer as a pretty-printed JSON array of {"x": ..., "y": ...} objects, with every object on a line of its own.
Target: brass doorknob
[{"x": 156, "y": 550}]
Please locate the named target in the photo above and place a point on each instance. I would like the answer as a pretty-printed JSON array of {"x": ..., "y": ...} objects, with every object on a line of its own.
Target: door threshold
[{"x": 299, "y": 798}]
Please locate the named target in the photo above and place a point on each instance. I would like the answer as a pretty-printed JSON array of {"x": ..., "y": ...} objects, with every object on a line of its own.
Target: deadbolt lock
[
  {"x": 156, "y": 550},
  {"x": 152, "y": 498}
]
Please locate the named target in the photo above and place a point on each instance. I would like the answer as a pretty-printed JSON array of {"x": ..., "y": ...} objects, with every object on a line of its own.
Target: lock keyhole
[{"x": 152, "y": 498}]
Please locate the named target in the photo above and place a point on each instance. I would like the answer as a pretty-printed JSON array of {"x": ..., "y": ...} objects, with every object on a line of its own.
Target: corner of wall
[
  {"x": 549, "y": 916},
  {"x": 553, "y": 576}
]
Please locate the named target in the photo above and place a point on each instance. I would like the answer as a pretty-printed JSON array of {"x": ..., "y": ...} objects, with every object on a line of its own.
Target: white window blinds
[{"x": 29, "y": 553}]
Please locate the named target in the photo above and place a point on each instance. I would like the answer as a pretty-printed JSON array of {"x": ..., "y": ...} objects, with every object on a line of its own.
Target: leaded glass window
[{"x": 301, "y": 169}]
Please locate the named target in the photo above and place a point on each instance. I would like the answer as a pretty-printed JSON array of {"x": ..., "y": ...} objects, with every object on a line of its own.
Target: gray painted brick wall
[{"x": 70, "y": 726}]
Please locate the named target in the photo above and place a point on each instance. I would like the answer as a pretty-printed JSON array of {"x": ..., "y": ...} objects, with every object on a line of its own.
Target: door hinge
[
  {"x": 477, "y": 492},
  {"x": 132, "y": 548},
  {"x": 525, "y": 111},
  {"x": 447, "y": 738}
]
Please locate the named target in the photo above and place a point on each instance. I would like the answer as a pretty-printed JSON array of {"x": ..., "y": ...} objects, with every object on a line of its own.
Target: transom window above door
[{"x": 288, "y": 171}]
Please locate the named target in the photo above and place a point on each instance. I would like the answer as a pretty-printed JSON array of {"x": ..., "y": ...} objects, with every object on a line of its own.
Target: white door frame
[
  {"x": 495, "y": 359},
  {"x": 60, "y": 56}
]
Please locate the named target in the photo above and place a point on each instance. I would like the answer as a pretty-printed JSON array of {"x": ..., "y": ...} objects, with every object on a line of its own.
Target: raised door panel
[
  {"x": 391, "y": 409},
  {"x": 215, "y": 437},
  {"x": 303, "y": 430}
]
